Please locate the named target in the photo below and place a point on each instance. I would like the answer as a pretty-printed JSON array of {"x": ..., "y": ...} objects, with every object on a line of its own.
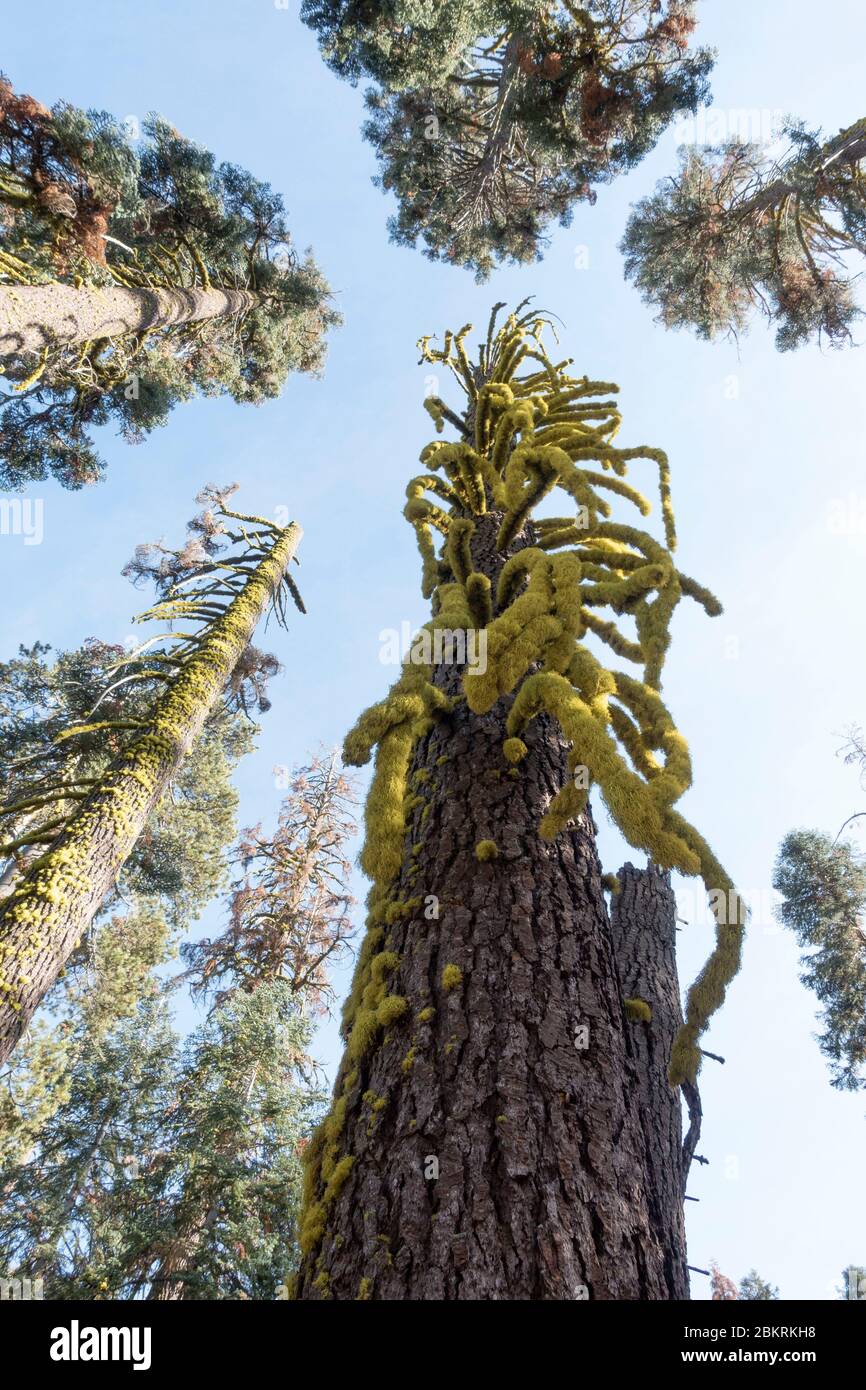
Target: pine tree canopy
[
  {"x": 754, "y": 1289},
  {"x": 103, "y": 985},
  {"x": 81, "y": 1105},
  {"x": 84, "y": 208},
  {"x": 823, "y": 888},
  {"x": 735, "y": 234},
  {"x": 491, "y": 120}
]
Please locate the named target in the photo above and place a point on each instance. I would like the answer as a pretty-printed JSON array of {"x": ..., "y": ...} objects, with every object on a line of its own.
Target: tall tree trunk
[
  {"x": 643, "y": 925},
  {"x": 499, "y": 135},
  {"x": 33, "y": 317},
  {"x": 42, "y": 920},
  {"x": 496, "y": 1148}
]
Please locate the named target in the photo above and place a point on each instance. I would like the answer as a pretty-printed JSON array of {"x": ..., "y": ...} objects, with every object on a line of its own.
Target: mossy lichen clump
[
  {"x": 452, "y": 977},
  {"x": 515, "y": 750},
  {"x": 638, "y": 1010},
  {"x": 486, "y": 851},
  {"x": 315, "y": 1216}
]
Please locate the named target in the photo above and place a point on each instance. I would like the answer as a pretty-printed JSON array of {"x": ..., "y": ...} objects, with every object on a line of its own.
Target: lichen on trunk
[
  {"x": 45, "y": 915},
  {"x": 484, "y": 1140}
]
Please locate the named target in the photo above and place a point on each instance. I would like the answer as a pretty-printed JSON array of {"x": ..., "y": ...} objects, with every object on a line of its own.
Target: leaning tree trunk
[
  {"x": 43, "y": 919},
  {"x": 497, "y": 1150},
  {"x": 33, "y": 317}
]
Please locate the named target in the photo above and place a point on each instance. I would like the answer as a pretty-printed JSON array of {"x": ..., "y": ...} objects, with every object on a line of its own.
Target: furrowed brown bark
[
  {"x": 509, "y": 1160},
  {"x": 643, "y": 925},
  {"x": 33, "y": 317}
]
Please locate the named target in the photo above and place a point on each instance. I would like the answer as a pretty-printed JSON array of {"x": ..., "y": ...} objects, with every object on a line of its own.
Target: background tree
[
  {"x": 80, "y": 1128},
  {"x": 822, "y": 883},
  {"x": 290, "y": 914},
  {"x": 132, "y": 278},
  {"x": 722, "y": 1289},
  {"x": 229, "y": 1205},
  {"x": 229, "y": 1178},
  {"x": 483, "y": 1141},
  {"x": 491, "y": 120},
  {"x": 97, "y": 821},
  {"x": 854, "y": 1282},
  {"x": 175, "y": 1172},
  {"x": 823, "y": 888},
  {"x": 735, "y": 233},
  {"x": 752, "y": 1288}
]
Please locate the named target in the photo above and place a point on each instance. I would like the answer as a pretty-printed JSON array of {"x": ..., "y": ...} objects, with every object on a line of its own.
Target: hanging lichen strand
[
  {"x": 90, "y": 828},
  {"x": 522, "y": 436}
]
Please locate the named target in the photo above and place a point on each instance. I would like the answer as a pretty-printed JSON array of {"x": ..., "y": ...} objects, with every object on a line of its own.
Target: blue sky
[{"x": 766, "y": 450}]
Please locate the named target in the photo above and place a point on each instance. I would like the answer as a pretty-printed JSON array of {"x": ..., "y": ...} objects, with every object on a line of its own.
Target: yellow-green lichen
[
  {"x": 315, "y": 1216},
  {"x": 515, "y": 750},
  {"x": 452, "y": 977},
  {"x": 638, "y": 1010},
  {"x": 376, "y": 1103}
]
